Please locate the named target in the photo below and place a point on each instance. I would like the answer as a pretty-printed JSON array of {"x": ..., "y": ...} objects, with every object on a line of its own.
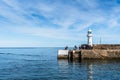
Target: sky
[{"x": 57, "y": 23}]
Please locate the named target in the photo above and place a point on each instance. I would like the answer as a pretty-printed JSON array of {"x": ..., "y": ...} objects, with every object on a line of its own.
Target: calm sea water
[{"x": 42, "y": 64}]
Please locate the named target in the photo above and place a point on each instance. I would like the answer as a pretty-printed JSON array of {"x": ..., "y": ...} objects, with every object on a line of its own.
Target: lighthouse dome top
[{"x": 89, "y": 30}]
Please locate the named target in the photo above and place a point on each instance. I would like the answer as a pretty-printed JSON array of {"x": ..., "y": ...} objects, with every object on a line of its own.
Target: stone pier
[{"x": 89, "y": 54}]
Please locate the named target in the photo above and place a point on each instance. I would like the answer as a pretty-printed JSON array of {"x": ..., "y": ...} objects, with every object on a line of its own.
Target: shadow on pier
[{"x": 74, "y": 56}]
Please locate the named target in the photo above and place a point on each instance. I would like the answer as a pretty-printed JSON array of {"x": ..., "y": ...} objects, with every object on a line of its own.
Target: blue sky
[{"x": 54, "y": 23}]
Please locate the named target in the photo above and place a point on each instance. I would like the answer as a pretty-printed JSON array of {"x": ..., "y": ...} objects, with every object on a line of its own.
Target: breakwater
[
  {"x": 97, "y": 52},
  {"x": 90, "y": 54}
]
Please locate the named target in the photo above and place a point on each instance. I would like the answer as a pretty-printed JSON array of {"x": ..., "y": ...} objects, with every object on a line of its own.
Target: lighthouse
[{"x": 89, "y": 36}]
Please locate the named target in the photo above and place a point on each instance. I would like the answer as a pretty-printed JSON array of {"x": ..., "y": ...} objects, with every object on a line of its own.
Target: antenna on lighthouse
[{"x": 100, "y": 40}]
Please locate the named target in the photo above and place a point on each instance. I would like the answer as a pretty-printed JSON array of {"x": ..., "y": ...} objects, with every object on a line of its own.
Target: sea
[{"x": 41, "y": 63}]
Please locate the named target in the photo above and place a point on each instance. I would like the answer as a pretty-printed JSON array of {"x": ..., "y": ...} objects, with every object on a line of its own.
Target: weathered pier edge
[{"x": 98, "y": 52}]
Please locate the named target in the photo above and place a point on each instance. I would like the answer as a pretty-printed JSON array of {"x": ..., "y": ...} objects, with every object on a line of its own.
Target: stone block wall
[{"x": 100, "y": 54}]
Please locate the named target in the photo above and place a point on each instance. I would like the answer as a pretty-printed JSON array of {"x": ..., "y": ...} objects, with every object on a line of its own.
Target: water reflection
[
  {"x": 90, "y": 72},
  {"x": 88, "y": 69}
]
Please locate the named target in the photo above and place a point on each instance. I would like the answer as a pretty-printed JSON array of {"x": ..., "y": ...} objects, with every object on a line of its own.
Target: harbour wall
[
  {"x": 89, "y": 54},
  {"x": 100, "y": 54}
]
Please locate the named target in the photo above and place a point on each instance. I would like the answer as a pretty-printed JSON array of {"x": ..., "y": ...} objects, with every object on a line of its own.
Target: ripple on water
[{"x": 42, "y": 64}]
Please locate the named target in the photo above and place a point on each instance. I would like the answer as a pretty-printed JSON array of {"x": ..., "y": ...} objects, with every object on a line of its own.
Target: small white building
[{"x": 89, "y": 36}]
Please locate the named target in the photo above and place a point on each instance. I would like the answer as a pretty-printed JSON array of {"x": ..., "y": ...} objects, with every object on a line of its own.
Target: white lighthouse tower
[{"x": 89, "y": 36}]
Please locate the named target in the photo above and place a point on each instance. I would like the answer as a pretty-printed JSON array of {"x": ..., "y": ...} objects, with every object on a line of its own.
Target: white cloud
[{"x": 79, "y": 14}]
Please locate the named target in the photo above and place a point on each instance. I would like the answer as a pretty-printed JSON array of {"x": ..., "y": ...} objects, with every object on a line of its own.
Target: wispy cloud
[{"x": 61, "y": 19}]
